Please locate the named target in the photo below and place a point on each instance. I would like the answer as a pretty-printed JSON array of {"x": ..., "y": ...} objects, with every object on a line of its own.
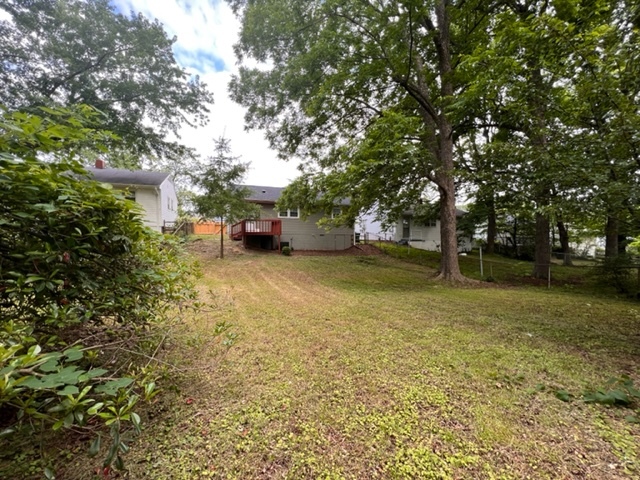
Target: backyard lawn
[{"x": 361, "y": 367}]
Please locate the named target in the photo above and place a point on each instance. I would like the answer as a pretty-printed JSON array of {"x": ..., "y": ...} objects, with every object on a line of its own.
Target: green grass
[
  {"x": 363, "y": 367},
  {"x": 508, "y": 271}
]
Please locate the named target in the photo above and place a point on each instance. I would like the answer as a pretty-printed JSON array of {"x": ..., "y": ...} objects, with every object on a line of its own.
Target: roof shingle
[{"x": 119, "y": 176}]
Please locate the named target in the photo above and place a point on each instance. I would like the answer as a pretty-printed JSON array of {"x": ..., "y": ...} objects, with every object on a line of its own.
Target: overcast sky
[{"x": 206, "y": 31}]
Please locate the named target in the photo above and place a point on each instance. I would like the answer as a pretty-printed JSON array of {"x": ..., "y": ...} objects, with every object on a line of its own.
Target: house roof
[
  {"x": 263, "y": 194},
  {"x": 119, "y": 176},
  {"x": 270, "y": 195}
]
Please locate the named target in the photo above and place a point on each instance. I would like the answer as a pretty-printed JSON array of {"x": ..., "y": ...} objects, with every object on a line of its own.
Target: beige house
[
  {"x": 277, "y": 229},
  {"x": 154, "y": 191}
]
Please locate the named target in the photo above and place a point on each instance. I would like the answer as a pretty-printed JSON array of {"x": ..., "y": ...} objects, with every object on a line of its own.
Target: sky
[{"x": 206, "y": 31}]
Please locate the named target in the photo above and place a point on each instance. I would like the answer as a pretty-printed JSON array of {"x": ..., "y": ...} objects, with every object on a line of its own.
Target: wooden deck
[{"x": 265, "y": 227}]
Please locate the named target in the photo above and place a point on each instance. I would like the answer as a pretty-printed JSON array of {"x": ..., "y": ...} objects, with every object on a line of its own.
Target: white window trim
[
  {"x": 287, "y": 214},
  {"x": 333, "y": 212}
]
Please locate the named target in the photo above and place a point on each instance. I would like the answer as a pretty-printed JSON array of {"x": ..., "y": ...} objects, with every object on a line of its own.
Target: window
[
  {"x": 430, "y": 223},
  {"x": 406, "y": 228},
  {"x": 290, "y": 213},
  {"x": 336, "y": 212}
]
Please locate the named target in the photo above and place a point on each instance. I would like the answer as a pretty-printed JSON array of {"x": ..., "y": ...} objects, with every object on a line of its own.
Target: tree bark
[
  {"x": 611, "y": 237},
  {"x": 563, "y": 233},
  {"x": 542, "y": 249},
  {"x": 221, "y": 237},
  {"x": 542, "y": 256},
  {"x": 492, "y": 228},
  {"x": 622, "y": 243},
  {"x": 449, "y": 265}
]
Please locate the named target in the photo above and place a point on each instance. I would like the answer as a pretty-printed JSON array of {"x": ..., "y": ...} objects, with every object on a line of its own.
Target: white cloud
[{"x": 206, "y": 31}]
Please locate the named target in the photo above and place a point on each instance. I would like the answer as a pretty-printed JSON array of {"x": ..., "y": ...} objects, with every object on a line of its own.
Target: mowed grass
[{"x": 363, "y": 367}]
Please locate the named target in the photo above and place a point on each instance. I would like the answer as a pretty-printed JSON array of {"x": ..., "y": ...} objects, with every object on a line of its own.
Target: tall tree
[
  {"x": 223, "y": 197},
  {"x": 70, "y": 52},
  {"x": 366, "y": 79}
]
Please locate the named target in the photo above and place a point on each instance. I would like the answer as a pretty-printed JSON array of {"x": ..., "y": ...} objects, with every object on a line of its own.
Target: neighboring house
[
  {"x": 426, "y": 235},
  {"x": 154, "y": 191},
  {"x": 274, "y": 229}
]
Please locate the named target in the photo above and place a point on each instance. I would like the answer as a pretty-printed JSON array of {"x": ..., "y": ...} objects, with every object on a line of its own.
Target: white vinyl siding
[
  {"x": 426, "y": 237},
  {"x": 169, "y": 202},
  {"x": 148, "y": 198}
]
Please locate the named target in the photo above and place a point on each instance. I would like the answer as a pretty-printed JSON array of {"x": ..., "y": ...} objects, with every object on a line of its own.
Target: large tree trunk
[
  {"x": 564, "y": 243},
  {"x": 449, "y": 266},
  {"x": 543, "y": 248},
  {"x": 611, "y": 237},
  {"x": 222, "y": 238},
  {"x": 622, "y": 243},
  {"x": 542, "y": 256},
  {"x": 492, "y": 228}
]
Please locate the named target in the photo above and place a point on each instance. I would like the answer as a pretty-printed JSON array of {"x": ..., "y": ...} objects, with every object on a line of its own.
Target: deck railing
[{"x": 256, "y": 227}]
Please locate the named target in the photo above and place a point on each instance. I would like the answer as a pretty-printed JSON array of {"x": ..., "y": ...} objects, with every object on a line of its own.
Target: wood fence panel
[{"x": 207, "y": 228}]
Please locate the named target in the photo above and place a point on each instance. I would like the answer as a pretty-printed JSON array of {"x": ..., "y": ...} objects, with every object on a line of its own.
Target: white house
[
  {"x": 426, "y": 235},
  {"x": 154, "y": 191}
]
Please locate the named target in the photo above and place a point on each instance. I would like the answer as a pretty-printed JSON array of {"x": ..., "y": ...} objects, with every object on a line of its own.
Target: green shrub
[
  {"x": 81, "y": 281},
  {"x": 617, "y": 272},
  {"x": 286, "y": 251}
]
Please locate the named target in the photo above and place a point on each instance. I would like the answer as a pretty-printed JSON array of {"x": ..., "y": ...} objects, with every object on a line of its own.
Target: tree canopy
[
  {"x": 533, "y": 103},
  {"x": 365, "y": 91},
  {"x": 223, "y": 195},
  {"x": 72, "y": 52}
]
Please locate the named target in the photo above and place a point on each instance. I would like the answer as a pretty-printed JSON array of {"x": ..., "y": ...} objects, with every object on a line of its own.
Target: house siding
[
  {"x": 168, "y": 202},
  {"x": 149, "y": 198},
  {"x": 306, "y": 235},
  {"x": 428, "y": 238}
]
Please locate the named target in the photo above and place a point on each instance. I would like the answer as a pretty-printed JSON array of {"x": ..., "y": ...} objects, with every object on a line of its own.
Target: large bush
[{"x": 80, "y": 276}]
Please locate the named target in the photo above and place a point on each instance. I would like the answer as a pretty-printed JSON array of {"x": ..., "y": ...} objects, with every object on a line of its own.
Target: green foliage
[
  {"x": 617, "y": 272},
  {"x": 79, "y": 273},
  {"x": 286, "y": 251},
  {"x": 76, "y": 52},
  {"x": 224, "y": 197},
  {"x": 50, "y": 131},
  {"x": 377, "y": 123},
  {"x": 618, "y": 391}
]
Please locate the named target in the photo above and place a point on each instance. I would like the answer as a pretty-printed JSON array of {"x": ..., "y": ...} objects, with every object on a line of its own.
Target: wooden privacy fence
[
  {"x": 192, "y": 228},
  {"x": 207, "y": 228}
]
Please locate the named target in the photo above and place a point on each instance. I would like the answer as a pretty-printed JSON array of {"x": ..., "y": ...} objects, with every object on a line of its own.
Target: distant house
[
  {"x": 276, "y": 229},
  {"x": 154, "y": 191},
  {"x": 426, "y": 235}
]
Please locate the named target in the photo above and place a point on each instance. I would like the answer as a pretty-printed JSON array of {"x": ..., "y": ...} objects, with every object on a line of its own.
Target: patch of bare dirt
[{"x": 210, "y": 248}]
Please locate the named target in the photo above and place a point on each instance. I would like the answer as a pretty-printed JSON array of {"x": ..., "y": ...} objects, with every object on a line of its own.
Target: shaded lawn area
[
  {"x": 360, "y": 367},
  {"x": 511, "y": 271}
]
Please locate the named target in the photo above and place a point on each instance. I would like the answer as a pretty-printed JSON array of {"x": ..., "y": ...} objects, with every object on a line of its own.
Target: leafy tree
[
  {"x": 71, "y": 52},
  {"x": 223, "y": 196},
  {"x": 366, "y": 91}
]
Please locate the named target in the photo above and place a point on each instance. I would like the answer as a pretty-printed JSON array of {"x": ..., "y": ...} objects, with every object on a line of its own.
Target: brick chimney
[{"x": 100, "y": 163}]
